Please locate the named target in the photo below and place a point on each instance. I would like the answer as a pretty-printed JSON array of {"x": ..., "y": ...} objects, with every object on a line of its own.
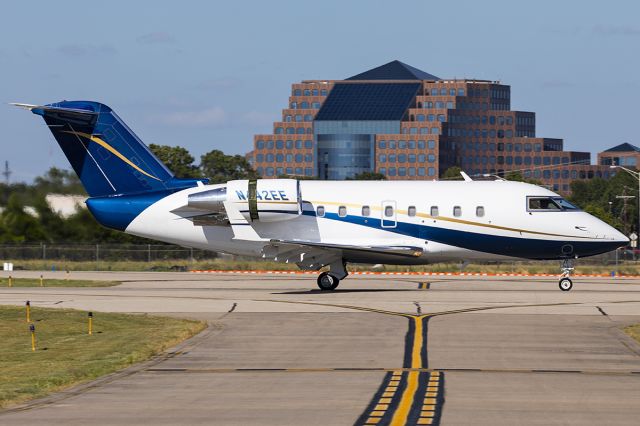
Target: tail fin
[{"x": 106, "y": 155}]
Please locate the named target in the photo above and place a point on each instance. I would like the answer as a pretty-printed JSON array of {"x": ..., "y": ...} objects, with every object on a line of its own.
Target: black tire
[
  {"x": 327, "y": 282},
  {"x": 565, "y": 284}
]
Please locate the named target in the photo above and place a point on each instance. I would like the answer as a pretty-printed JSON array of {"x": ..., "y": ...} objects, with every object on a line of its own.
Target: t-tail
[{"x": 107, "y": 156}]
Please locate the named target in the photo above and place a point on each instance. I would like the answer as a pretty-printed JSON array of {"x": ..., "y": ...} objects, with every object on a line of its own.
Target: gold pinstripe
[
  {"x": 111, "y": 149},
  {"x": 460, "y": 221}
]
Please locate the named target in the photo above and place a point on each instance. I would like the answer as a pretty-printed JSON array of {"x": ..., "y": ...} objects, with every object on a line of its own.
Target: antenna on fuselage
[{"x": 465, "y": 176}]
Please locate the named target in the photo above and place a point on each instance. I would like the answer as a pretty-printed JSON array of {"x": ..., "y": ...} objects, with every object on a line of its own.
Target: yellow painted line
[
  {"x": 373, "y": 420},
  {"x": 381, "y": 407},
  {"x": 388, "y": 394},
  {"x": 385, "y": 400},
  {"x": 377, "y": 413},
  {"x": 425, "y": 421},
  {"x": 429, "y": 407},
  {"x": 404, "y": 407},
  {"x": 431, "y": 394},
  {"x": 430, "y": 401}
]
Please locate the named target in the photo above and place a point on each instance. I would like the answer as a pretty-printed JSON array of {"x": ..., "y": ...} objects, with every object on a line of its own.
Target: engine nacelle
[{"x": 266, "y": 200}]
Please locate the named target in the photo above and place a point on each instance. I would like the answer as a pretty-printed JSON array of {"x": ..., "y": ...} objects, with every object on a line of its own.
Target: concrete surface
[{"x": 278, "y": 352}]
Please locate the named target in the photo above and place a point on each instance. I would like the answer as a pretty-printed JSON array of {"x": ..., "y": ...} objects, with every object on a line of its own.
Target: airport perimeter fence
[
  {"x": 83, "y": 252},
  {"x": 102, "y": 252}
]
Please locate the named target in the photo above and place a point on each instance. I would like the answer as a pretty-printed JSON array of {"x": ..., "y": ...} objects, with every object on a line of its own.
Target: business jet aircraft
[{"x": 316, "y": 224}]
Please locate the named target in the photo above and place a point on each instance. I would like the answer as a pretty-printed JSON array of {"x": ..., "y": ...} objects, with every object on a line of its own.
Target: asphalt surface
[{"x": 379, "y": 350}]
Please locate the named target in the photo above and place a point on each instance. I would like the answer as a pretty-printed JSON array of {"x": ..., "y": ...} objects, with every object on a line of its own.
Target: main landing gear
[
  {"x": 565, "y": 282},
  {"x": 329, "y": 280}
]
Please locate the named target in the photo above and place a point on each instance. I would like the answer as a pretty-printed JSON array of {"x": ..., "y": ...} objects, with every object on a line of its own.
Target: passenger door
[{"x": 389, "y": 214}]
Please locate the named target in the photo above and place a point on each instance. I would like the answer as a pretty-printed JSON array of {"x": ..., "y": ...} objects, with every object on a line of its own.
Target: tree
[
  {"x": 220, "y": 168},
  {"x": 368, "y": 176},
  {"x": 18, "y": 225},
  {"x": 177, "y": 159},
  {"x": 452, "y": 173},
  {"x": 59, "y": 181}
]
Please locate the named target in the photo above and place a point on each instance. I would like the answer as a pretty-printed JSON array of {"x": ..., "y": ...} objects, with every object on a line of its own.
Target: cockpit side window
[{"x": 549, "y": 204}]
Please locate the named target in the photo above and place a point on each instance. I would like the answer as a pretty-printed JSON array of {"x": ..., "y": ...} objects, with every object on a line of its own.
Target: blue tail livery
[
  {"x": 118, "y": 171},
  {"x": 106, "y": 155}
]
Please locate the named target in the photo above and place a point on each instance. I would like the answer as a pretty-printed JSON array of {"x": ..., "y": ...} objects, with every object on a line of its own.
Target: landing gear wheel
[
  {"x": 565, "y": 284},
  {"x": 327, "y": 282}
]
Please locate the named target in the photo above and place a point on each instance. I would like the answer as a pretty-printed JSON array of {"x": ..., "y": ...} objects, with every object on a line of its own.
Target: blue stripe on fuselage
[{"x": 529, "y": 248}]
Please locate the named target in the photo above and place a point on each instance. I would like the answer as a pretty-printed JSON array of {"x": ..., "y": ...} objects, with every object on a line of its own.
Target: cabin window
[
  {"x": 388, "y": 211},
  {"x": 320, "y": 211},
  {"x": 411, "y": 211},
  {"x": 366, "y": 211},
  {"x": 342, "y": 211},
  {"x": 434, "y": 211},
  {"x": 457, "y": 211},
  {"x": 480, "y": 211}
]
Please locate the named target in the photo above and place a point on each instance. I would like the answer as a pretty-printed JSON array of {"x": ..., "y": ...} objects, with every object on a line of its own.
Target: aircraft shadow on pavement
[{"x": 355, "y": 290}]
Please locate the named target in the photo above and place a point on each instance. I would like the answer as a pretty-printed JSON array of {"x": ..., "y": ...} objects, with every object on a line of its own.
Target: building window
[
  {"x": 260, "y": 144},
  {"x": 411, "y": 158},
  {"x": 260, "y": 158},
  {"x": 366, "y": 211},
  {"x": 402, "y": 158},
  {"x": 279, "y": 144},
  {"x": 421, "y": 145},
  {"x": 308, "y": 171},
  {"x": 279, "y": 130},
  {"x": 434, "y": 211},
  {"x": 435, "y": 131},
  {"x": 402, "y": 171},
  {"x": 457, "y": 211},
  {"x": 420, "y": 117},
  {"x": 480, "y": 211},
  {"x": 431, "y": 171},
  {"x": 307, "y": 92},
  {"x": 269, "y": 158},
  {"x": 392, "y": 158},
  {"x": 308, "y": 144},
  {"x": 460, "y": 92},
  {"x": 299, "y": 171},
  {"x": 289, "y": 158},
  {"x": 308, "y": 158},
  {"x": 392, "y": 171},
  {"x": 308, "y": 117},
  {"x": 382, "y": 144},
  {"x": 402, "y": 144},
  {"x": 431, "y": 158},
  {"x": 279, "y": 158},
  {"x": 323, "y": 92},
  {"x": 411, "y": 211},
  {"x": 382, "y": 158},
  {"x": 320, "y": 211},
  {"x": 269, "y": 171},
  {"x": 342, "y": 211},
  {"x": 297, "y": 92}
]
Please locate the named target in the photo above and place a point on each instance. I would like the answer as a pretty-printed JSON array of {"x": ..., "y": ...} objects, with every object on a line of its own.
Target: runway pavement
[{"x": 379, "y": 350}]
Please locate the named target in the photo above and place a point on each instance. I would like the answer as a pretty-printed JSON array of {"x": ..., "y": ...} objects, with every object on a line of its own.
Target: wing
[{"x": 312, "y": 255}]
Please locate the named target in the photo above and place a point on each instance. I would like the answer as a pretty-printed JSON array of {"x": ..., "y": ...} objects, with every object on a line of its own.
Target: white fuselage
[{"x": 466, "y": 220}]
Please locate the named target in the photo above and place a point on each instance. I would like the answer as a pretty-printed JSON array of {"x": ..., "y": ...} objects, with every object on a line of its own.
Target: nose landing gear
[{"x": 565, "y": 282}]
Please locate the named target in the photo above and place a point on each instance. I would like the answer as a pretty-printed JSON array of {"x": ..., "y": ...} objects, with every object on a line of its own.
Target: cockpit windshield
[{"x": 549, "y": 204}]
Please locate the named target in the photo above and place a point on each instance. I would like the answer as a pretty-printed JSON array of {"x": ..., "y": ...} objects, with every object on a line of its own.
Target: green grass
[
  {"x": 67, "y": 355},
  {"x": 48, "y": 282},
  {"x": 633, "y": 331}
]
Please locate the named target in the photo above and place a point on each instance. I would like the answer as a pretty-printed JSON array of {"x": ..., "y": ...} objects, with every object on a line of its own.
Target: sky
[{"x": 210, "y": 74}]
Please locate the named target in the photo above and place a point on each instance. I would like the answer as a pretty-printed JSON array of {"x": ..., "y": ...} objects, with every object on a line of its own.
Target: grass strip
[
  {"x": 49, "y": 282},
  {"x": 67, "y": 355}
]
